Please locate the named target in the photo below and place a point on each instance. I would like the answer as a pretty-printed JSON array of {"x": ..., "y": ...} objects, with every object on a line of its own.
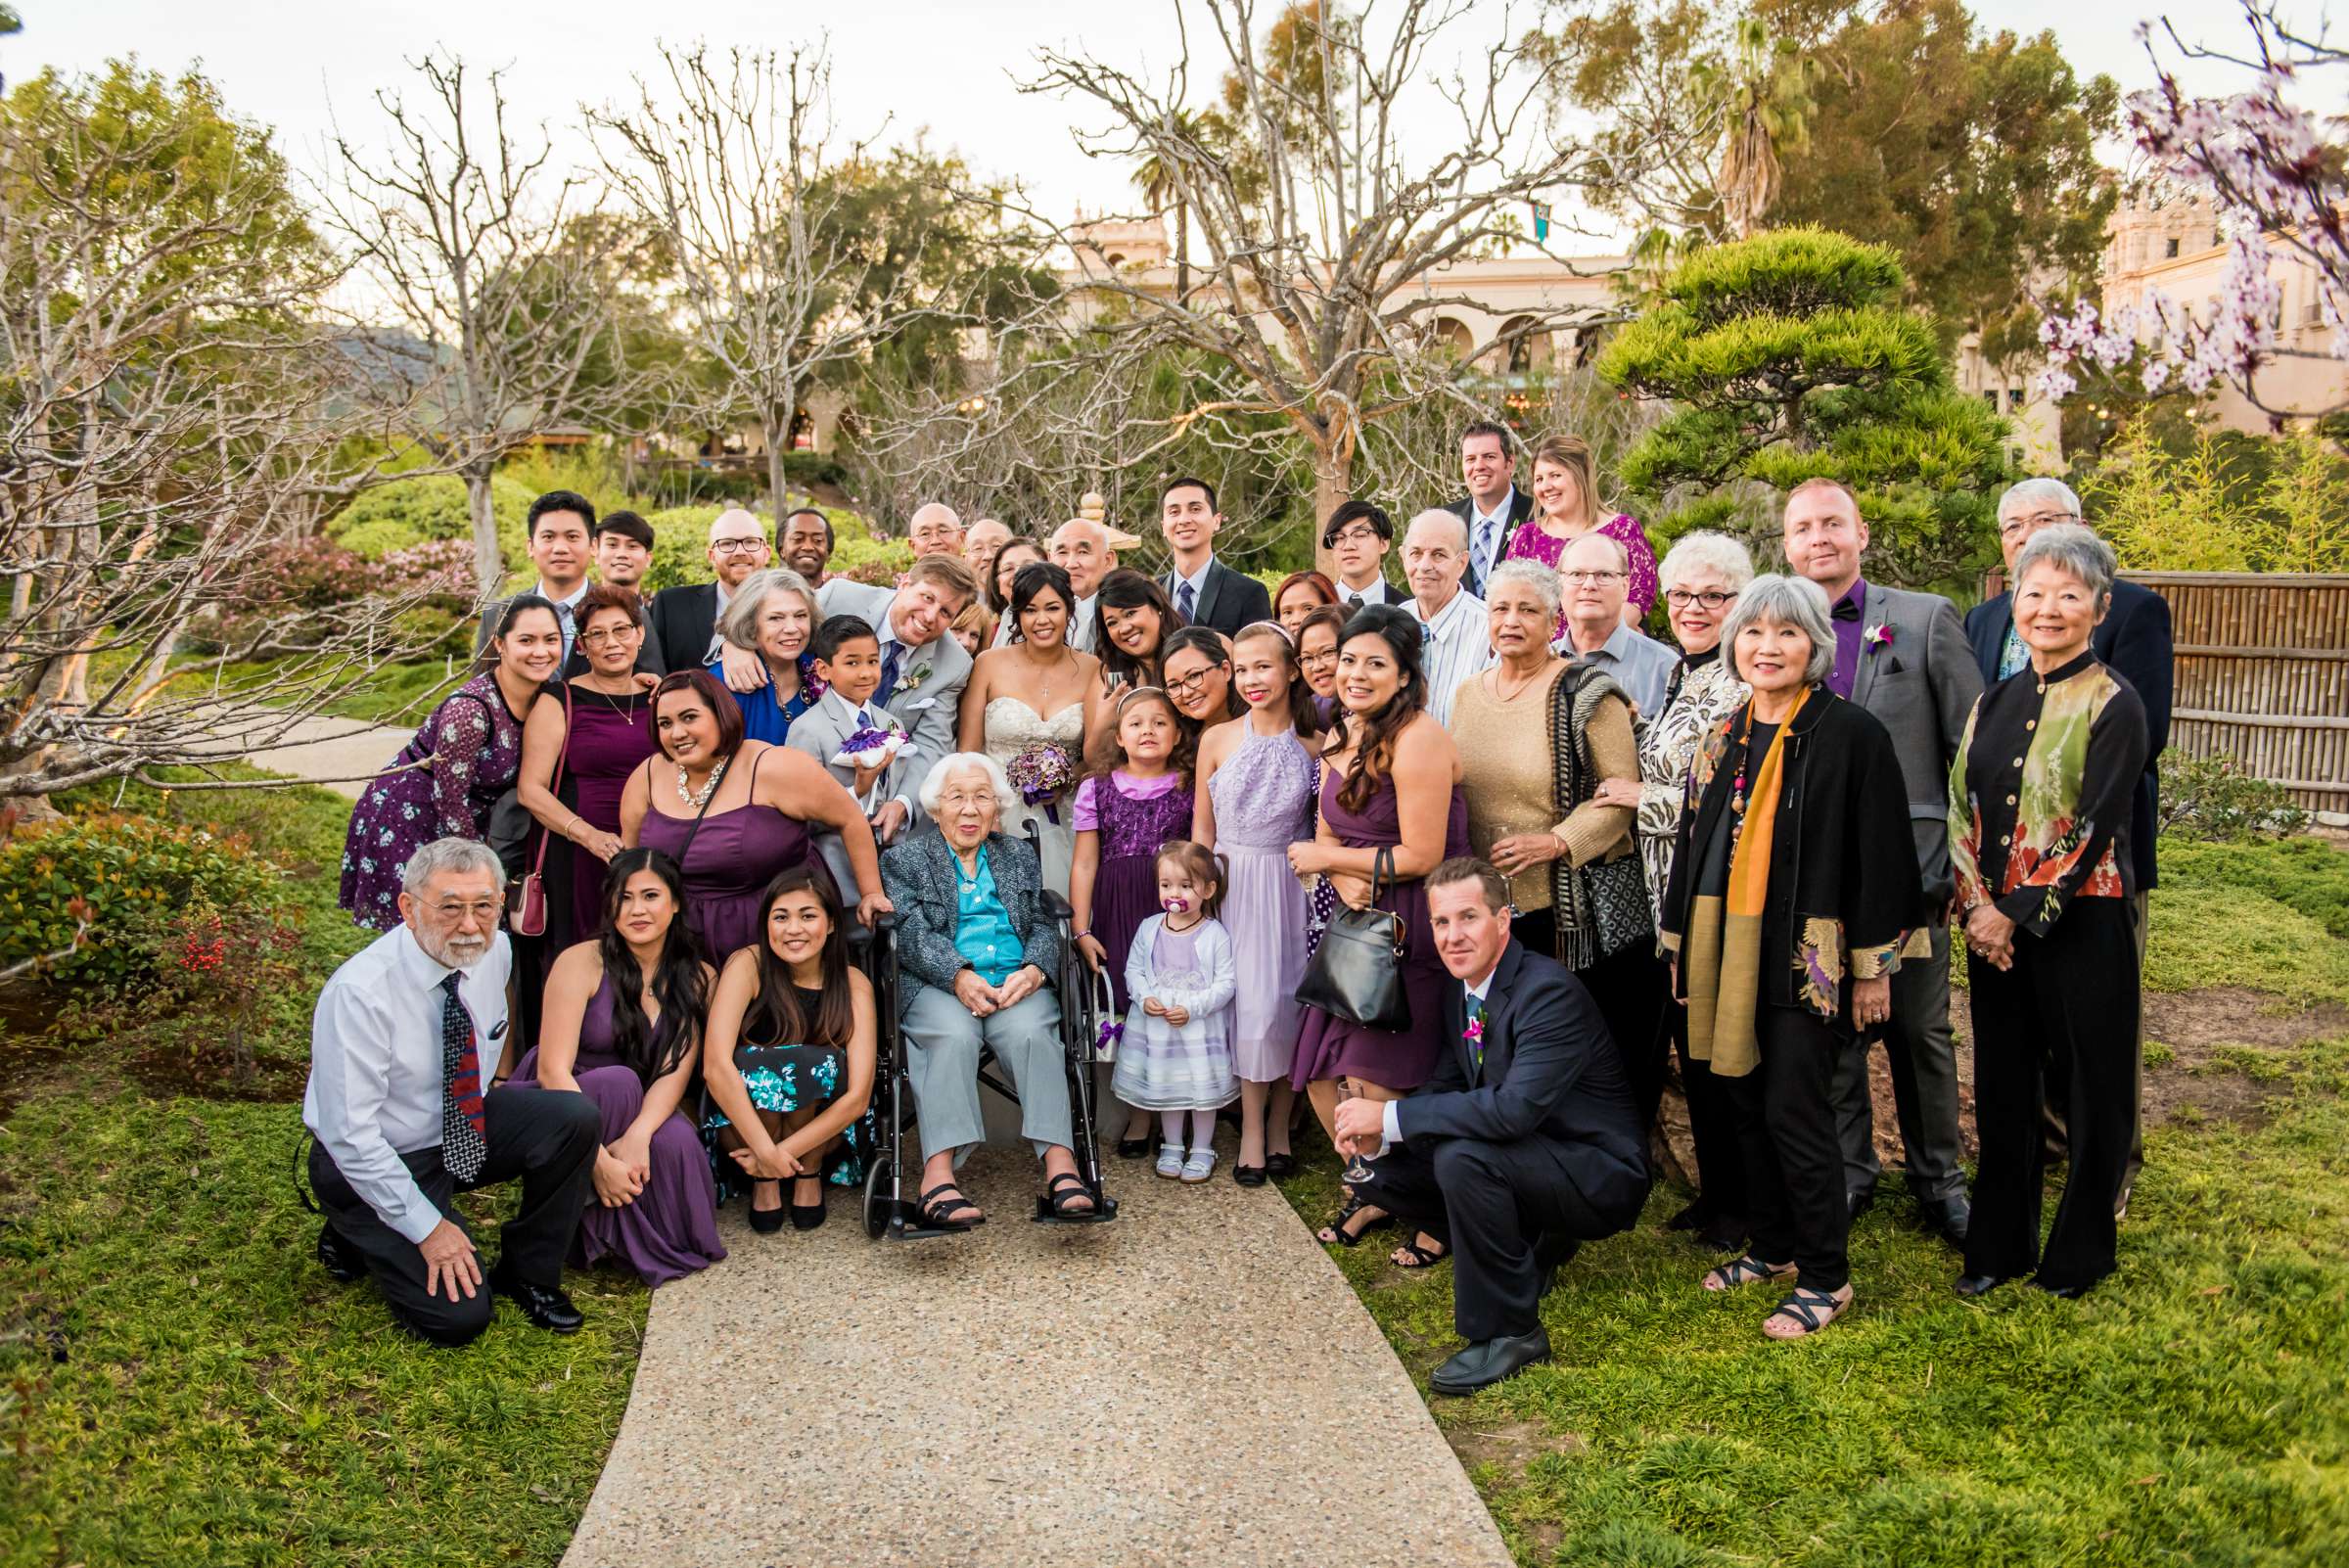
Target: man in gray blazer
[
  {"x": 1905, "y": 658},
  {"x": 923, "y": 668}
]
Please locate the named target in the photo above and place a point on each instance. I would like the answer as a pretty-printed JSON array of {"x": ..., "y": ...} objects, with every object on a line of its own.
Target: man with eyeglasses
[
  {"x": 1455, "y": 640},
  {"x": 1595, "y": 574},
  {"x": 1357, "y": 536},
  {"x": 684, "y": 619},
  {"x": 407, "y": 1106},
  {"x": 2134, "y": 640}
]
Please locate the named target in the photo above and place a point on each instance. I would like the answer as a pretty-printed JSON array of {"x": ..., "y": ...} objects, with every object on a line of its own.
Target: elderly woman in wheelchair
[{"x": 978, "y": 951}]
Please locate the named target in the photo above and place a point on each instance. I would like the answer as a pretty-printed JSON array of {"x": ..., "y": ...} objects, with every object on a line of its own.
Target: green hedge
[
  {"x": 412, "y": 511},
  {"x": 681, "y": 544},
  {"x": 135, "y": 873}
]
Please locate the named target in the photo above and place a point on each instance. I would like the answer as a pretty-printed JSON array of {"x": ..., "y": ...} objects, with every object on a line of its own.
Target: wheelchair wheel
[{"x": 876, "y": 1201}]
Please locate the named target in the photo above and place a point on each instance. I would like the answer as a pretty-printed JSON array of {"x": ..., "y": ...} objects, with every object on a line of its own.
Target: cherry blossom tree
[{"x": 2274, "y": 173}]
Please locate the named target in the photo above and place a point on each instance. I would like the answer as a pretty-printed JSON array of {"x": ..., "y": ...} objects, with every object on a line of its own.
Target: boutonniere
[
  {"x": 913, "y": 677},
  {"x": 1474, "y": 1034},
  {"x": 1877, "y": 636}
]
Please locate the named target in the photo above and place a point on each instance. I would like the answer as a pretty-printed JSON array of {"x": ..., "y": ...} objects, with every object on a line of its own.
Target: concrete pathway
[
  {"x": 341, "y": 754},
  {"x": 1191, "y": 1384}
]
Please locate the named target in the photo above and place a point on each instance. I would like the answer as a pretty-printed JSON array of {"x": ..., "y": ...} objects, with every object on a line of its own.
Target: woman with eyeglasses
[
  {"x": 1198, "y": 672},
  {"x": 1702, "y": 575},
  {"x": 1317, "y": 655}
]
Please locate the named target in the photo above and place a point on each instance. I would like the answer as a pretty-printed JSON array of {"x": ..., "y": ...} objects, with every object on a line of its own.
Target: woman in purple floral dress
[
  {"x": 444, "y": 782},
  {"x": 1565, "y": 508}
]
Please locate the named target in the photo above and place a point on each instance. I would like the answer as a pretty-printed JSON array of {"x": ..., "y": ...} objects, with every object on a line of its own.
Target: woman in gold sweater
[{"x": 1538, "y": 738}]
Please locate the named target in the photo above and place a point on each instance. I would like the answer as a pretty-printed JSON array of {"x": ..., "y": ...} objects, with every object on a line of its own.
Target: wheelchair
[{"x": 1084, "y": 1011}]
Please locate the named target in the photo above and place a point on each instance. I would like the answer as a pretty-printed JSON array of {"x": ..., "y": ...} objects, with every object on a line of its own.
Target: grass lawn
[
  {"x": 180, "y": 1383},
  {"x": 2194, "y": 1409}
]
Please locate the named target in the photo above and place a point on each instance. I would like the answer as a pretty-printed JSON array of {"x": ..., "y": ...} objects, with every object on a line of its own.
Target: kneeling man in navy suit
[{"x": 1522, "y": 1146}]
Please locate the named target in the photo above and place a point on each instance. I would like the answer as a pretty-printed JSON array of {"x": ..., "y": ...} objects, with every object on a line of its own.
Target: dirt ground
[{"x": 2197, "y": 1082}]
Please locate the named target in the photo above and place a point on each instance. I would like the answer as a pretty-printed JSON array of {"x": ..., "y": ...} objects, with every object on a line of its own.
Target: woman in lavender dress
[
  {"x": 1565, "y": 508},
  {"x": 1391, "y": 779},
  {"x": 1255, "y": 799},
  {"x": 734, "y": 812},
  {"x": 444, "y": 782},
  {"x": 623, "y": 1027}
]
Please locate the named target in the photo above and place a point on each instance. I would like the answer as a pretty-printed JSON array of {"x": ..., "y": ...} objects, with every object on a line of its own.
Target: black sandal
[
  {"x": 1060, "y": 1197},
  {"x": 1335, "y": 1233},
  {"x": 1421, "y": 1256},
  {"x": 942, "y": 1215}
]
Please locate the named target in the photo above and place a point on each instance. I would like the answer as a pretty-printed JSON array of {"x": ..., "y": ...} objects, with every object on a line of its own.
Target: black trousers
[
  {"x": 546, "y": 1138},
  {"x": 2051, "y": 1120},
  {"x": 1510, "y": 1212},
  {"x": 1796, "y": 1205},
  {"x": 2068, "y": 1008},
  {"x": 1712, "y": 1124},
  {"x": 1922, "y": 1054}
]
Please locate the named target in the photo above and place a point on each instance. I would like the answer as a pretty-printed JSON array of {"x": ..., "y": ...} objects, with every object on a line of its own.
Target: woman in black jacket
[{"x": 1794, "y": 887}]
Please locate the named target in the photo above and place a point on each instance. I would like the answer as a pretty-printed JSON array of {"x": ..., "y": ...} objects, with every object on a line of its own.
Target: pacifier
[{"x": 1174, "y": 906}]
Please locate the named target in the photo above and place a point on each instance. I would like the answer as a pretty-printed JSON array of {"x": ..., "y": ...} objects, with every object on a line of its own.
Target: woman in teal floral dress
[{"x": 787, "y": 1060}]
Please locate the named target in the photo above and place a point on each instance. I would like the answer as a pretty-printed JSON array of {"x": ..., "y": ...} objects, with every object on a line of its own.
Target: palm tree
[
  {"x": 1156, "y": 178},
  {"x": 1763, "y": 93}
]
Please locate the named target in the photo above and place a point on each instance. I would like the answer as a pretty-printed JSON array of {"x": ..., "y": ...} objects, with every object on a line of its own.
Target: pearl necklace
[{"x": 697, "y": 799}]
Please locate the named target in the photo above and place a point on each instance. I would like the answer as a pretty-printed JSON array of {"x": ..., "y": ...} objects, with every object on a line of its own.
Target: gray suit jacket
[
  {"x": 1922, "y": 685},
  {"x": 930, "y": 709},
  {"x": 819, "y": 732},
  {"x": 845, "y": 596},
  {"x": 920, "y": 874}
]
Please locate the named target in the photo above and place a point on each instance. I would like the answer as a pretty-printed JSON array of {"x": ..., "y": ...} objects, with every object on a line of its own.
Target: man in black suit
[
  {"x": 684, "y": 619},
  {"x": 620, "y": 546},
  {"x": 1520, "y": 1148},
  {"x": 1208, "y": 592},
  {"x": 1357, "y": 536},
  {"x": 1493, "y": 505},
  {"x": 2134, "y": 640}
]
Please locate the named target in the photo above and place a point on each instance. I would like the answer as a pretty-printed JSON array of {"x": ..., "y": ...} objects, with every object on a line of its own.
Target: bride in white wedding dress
[{"x": 1036, "y": 691}]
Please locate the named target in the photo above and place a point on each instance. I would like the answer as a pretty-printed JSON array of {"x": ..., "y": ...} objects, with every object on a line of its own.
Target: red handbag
[{"x": 525, "y": 895}]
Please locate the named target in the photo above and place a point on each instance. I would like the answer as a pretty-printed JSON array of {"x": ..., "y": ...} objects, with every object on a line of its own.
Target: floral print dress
[
  {"x": 442, "y": 785},
  {"x": 785, "y": 1078}
]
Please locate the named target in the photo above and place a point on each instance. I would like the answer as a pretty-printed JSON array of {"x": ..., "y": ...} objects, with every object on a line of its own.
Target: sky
[{"x": 945, "y": 67}]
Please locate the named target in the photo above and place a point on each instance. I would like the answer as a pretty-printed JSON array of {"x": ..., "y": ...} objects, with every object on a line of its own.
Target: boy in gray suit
[
  {"x": 848, "y": 660},
  {"x": 1905, "y": 658}
]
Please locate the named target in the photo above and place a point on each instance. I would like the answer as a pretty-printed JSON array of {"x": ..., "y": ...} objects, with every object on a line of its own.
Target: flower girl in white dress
[{"x": 1181, "y": 974}]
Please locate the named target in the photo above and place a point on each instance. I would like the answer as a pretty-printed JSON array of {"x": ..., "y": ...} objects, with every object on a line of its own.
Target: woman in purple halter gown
[
  {"x": 734, "y": 813},
  {"x": 1403, "y": 775},
  {"x": 623, "y": 1026}
]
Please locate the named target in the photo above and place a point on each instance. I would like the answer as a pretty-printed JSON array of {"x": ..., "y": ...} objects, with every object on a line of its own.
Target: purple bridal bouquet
[{"x": 1040, "y": 773}]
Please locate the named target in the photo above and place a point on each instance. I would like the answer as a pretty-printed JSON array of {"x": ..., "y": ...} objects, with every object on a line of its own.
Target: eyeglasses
[
  {"x": 1317, "y": 660},
  {"x": 1710, "y": 598},
  {"x": 1592, "y": 580},
  {"x": 737, "y": 547},
  {"x": 607, "y": 636},
  {"x": 1191, "y": 685},
  {"x": 2013, "y": 525},
  {"x": 1353, "y": 536}
]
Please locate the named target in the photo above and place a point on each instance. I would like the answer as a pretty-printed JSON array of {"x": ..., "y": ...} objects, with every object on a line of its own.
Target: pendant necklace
[{"x": 697, "y": 799}]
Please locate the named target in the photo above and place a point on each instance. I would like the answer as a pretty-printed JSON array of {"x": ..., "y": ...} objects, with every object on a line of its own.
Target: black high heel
[
  {"x": 808, "y": 1216},
  {"x": 766, "y": 1221}
]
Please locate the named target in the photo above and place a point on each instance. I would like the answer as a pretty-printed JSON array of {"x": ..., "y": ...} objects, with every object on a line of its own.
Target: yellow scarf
[{"x": 1722, "y": 958}]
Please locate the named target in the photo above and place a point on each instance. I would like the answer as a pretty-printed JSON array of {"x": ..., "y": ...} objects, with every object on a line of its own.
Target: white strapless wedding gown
[{"x": 1011, "y": 726}]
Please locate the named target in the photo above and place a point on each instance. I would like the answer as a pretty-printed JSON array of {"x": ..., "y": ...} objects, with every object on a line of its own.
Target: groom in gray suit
[
  {"x": 1905, "y": 658},
  {"x": 923, "y": 668}
]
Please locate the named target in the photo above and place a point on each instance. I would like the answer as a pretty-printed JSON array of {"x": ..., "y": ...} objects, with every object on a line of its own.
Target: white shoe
[
  {"x": 1199, "y": 1167},
  {"x": 1169, "y": 1161}
]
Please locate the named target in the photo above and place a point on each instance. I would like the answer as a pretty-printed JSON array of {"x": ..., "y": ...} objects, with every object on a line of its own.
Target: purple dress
[
  {"x": 734, "y": 855},
  {"x": 442, "y": 785},
  {"x": 1396, "y": 1059},
  {"x": 1134, "y": 817},
  {"x": 1532, "y": 542},
  {"x": 608, "y": 738},
  {"x": 1263, "y": 801},
  {"x": 670, "y": 1229}
]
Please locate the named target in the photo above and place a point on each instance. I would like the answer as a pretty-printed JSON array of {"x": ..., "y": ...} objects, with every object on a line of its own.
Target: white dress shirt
[
  {"x": 1458, "y": 643},
  {"x": 567, "y": 612},
  {"x": 1081, "y": 624},
  {"x": 374, "y": 1065},
  {"x": 1391, "y": 1118},
  {"x": 717, "y": 638},
  {"x": 1378, "y": 592}
]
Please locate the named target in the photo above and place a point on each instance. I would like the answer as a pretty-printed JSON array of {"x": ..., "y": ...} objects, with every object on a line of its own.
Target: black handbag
[{"x": 1356, "y": 973}]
